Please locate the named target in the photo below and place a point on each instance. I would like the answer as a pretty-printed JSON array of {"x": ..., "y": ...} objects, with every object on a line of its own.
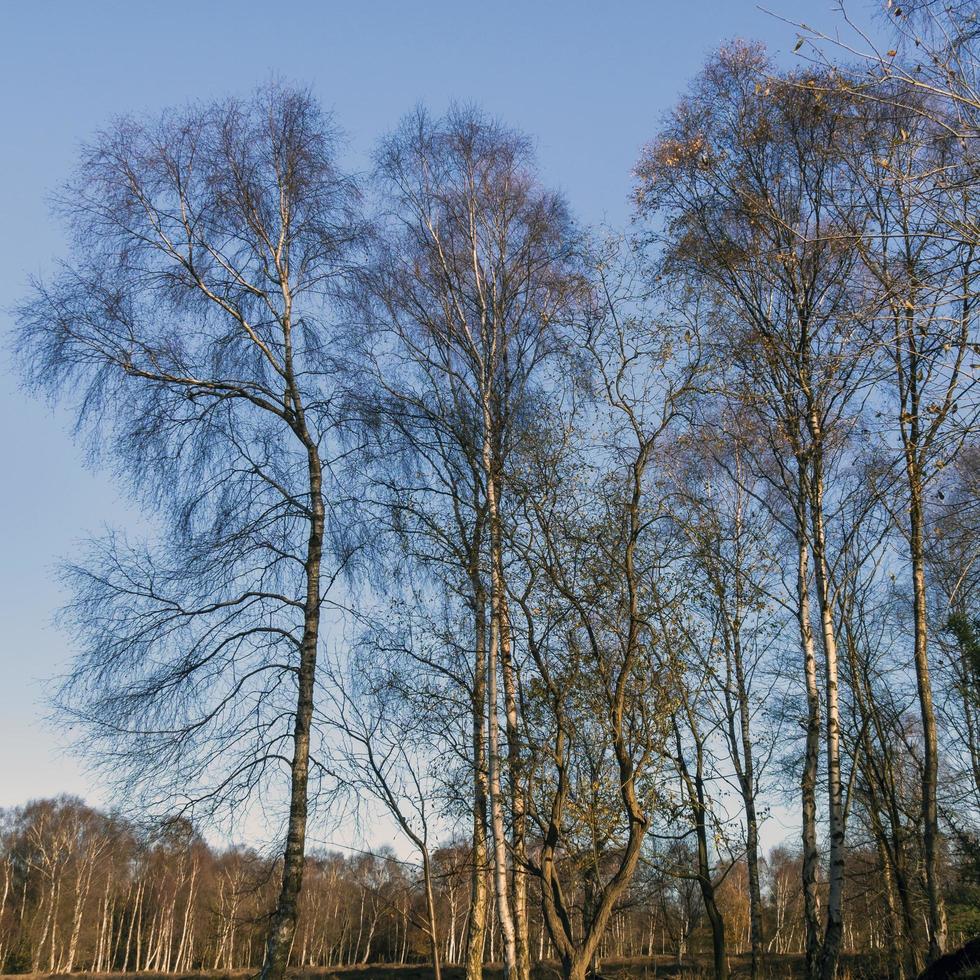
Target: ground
[{"x": 652, "y": 968}]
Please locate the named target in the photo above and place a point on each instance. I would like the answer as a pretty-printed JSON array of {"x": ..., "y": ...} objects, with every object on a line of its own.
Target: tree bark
[
  {"x": 833, "y": 935},
  {"x": 284, "y": 918},
  {"x": 694, "y": 784},
  {"x": 808, "y": 781},
  {"x": 477, "y": 923},
  {"x": 746, "y": 776},
  {"x": 517, "y": 803},
  {"x": 930, "y": 762},
  {"x": 497, "y": 626},
  {"x": 430, "y": 908}
]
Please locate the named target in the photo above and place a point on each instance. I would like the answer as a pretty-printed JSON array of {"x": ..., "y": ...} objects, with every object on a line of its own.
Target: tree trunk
[
  {"x": 756, "y": 937},
  {"x": 517, "y": 803},
  {"x": 808, "y": 782},
  {"x": 430, "y": 907},
  {"x": 698, "y": 803},
  {"x": 835, "y": 896},
  {"x": 745, "y": 771},
  {"x": 284, "y": 919},
  {"x": 930, "y": 764},
  {"x": 507, "y": 930},
  {"x": 477, "y": 923}
]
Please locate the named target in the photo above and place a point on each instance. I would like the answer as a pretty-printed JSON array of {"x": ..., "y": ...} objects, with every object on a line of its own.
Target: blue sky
[{"x": 587, "y": 79}]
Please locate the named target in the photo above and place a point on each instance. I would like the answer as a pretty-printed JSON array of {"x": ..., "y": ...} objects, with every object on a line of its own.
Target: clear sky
[{"x": 588, "y": 79}]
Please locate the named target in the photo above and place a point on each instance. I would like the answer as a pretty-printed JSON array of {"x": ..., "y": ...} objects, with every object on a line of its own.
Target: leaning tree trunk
[
  {"x": 744, "y": 762},
  {"x": 877, "y": 771}
]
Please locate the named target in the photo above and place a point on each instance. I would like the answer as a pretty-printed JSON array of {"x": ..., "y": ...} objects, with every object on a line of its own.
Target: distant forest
[{"x": 87, "y": 891}]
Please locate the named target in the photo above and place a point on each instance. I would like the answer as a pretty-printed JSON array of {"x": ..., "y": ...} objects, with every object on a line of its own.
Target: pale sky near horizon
[{"x": 588, "y": 80}]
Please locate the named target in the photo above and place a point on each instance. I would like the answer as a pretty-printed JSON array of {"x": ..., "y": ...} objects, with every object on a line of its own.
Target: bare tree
[
  {"x": 384, "y": 754},
  {"x": 189, "y": 332},
  {"x": 729, "y": 534},
  {"x": 744, "y": 177},
  {"x": 596, "y": 598},
  {"x": 478, "y": 264},
  {"x": 908, "y": 188}
]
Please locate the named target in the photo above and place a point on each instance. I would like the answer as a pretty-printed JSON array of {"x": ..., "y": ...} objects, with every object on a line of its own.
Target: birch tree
[
  {"x": 478, "y": 263},
  {"x": 190, "y": 332},
  {"x": 744, "y": 178}
]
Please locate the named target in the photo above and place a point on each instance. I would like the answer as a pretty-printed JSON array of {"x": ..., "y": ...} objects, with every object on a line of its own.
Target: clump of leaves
[{"x": 966, "y": 632}]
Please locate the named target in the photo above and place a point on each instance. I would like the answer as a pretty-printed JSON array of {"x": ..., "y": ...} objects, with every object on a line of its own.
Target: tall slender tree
[
  {"x": 476, "y": 264},
  {"x": 744, "y": 178},
  {"x": 190, "y": 331},
  {"x": 911, "y": 185}
]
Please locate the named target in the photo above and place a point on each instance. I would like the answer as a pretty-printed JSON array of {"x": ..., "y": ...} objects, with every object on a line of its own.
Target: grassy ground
[{"x": 652, "y": 968}]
